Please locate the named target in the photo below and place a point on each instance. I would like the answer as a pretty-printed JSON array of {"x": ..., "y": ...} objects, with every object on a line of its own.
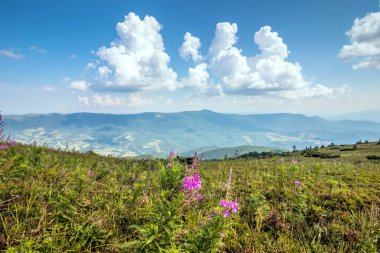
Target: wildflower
[
  {"x": 12, "y": 143},
  {"x": 223, "y": 203},
  {"x": 234, "y": 206},
  {"x": 229, "y": 206},
  {"x": 3, "y": 147},
  {"x": 297, "y": 182},
  {"x": 226, "y": 213},
  {"x": 195, "y": 165},
  {"x": 171, "y": 158},
  {"x": 171, "y": 154},
  {"x": 192, "y": 182},
  {"x": 282, "y": 160},
  {"x": 294, "y": 161}
]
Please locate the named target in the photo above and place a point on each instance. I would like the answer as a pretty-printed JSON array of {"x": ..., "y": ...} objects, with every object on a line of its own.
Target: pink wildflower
[
  {"x": 226, "y": 213},
  {"x": 12, "y": 143},
  {"x": 195, "y": 161},
  {"x": 229, "y": 206},
  {"x": 234, "y": 206},
  {"x": 170, "y": 158},
  {"x": 3, "y": 147},
  {"x": 171, "y": 154},
  {"x": 294, "y": 162},
  {"x": 223, "y": 203},
  {"x": 192, "y": 182},
  {"x": 297, "y": 182}
]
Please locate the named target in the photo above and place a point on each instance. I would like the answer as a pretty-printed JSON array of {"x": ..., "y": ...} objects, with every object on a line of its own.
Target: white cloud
[
  {"x": 79, "y": 85},
  {"x": 104, "y": 72},
  {"x": 137, "y": 62},
  {"x": 266, "y": 73},
  {"x": 190, "y": 48},
  {"x": 247, "y": 139},
  {"x": 91, "y": 65},
  {"x": 84, "y": 100},
  {"x": 198, "y": 78},
  {"x": 11, "y": 53},
  {"x": 37, "y": 49},
  {"x": 107, "y": 100},
  {"x": 137, "y": 59},
  {"x": 155, "y": 145},
  {"x": 73, "y": 56},
  {"x": 136, "y": 100},
  {"x": 365, "y": 42},
  {"x": 270, "y": 43}
]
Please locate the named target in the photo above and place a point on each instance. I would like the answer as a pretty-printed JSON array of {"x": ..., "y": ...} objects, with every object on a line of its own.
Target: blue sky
[{"x": 238, "y": 56}]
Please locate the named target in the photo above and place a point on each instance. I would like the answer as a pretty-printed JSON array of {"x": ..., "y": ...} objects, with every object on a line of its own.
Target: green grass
[{"x": 57, "y": 201}]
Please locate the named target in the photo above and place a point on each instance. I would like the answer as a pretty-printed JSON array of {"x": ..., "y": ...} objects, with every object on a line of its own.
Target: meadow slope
[{"x": 61, "y": 201}]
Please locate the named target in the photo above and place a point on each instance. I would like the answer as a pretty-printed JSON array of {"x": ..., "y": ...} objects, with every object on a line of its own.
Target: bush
[{"x": 373, "y": 157}]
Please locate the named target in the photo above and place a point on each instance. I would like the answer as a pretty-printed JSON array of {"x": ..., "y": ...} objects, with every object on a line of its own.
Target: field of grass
[{"x": 60, "y": 201}]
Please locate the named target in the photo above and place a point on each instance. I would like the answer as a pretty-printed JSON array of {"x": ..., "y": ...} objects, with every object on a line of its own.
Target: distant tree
[
  {"x": 366, "y": 141},
  {"x": 294, "y": 148},
  {"x": 322, "y": 146},
  {"x": 236, "y": 153},
  {"x": 359, "y": 142}
]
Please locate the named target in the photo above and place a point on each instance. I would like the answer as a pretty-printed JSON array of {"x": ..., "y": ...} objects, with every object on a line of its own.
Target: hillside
[
  {"x": 212, "y": 153},
  {"x": 158, "y": 133},
  {"x": 57, "y": 201}
]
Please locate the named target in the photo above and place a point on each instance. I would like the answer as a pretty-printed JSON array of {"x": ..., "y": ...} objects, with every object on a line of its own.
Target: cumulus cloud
[
  {"x": 198, "y": 78},
  {"x": 79, "y": 85},
  {"x": 364, "y": 48},
  {"x": 269, "y": 72},
  {"x": 84, "y": 100},
  {"x": 315, "y": 91},
  {"x": 11, "y": 53},
  {"x": 190, "y": 48},
  {"x": 108, "y": 101},
  {"x": 137, "y": 62},
  {"x": 137, "y": 59}
]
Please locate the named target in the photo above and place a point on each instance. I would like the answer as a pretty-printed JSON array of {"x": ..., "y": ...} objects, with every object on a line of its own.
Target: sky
[{"x": 258, "y": 56}]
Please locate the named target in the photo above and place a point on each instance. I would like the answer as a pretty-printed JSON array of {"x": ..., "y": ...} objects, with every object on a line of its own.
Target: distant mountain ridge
[
  {"x": 367, "y": 115},
  {"x": 156, "y": 134}
]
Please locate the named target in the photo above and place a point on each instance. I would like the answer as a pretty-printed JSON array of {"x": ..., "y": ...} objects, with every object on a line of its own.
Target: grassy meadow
[{"x": 66, "y": 201}]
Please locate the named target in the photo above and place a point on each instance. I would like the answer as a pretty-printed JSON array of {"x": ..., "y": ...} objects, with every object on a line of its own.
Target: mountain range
[{"x": 156, "y": 134}]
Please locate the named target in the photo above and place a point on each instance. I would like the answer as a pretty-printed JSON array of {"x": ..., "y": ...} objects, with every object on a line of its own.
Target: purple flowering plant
[
  {"x": 229, "y": 206},
  {"x": 192, "y": 184}
]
